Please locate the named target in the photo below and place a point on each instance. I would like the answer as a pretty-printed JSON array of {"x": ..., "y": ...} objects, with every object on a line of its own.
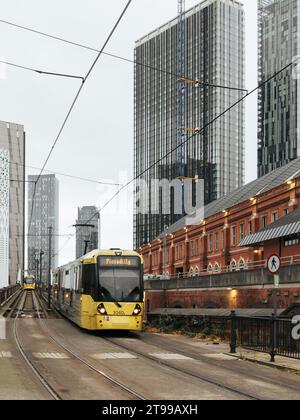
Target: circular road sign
[{"x": 274, "y": 264}]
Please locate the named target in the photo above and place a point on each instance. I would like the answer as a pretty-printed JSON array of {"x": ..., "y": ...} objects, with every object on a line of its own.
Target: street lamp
[
  {"x": 166, "y": 228},
  {"x": 41, "y": 265}
]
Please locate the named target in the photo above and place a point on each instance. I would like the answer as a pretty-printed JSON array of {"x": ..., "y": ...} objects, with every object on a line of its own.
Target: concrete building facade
[
  {"x": 214, "y": 41},
  {"x": 12, "y": 147},
  {"x": 45, "y": 214}
]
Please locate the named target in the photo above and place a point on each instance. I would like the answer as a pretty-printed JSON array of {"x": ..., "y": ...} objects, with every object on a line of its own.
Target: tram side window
[{"x": 89, "y": 280}]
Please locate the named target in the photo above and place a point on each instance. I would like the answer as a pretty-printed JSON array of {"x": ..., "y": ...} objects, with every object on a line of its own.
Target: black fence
[
  {"x": 7, "y": 292},
  {"x": 268, "y": 335}
]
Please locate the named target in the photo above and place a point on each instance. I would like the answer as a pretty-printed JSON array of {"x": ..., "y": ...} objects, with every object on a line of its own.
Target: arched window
[
  {"x": 191, "y": 272},
  {"x": 197, "y": 271},
  {"x": 217, "y": 268},
  {"x": 242, "y": 264},
  {"x": 233, "y": 265},
  {"x": 210, "y": 268}
]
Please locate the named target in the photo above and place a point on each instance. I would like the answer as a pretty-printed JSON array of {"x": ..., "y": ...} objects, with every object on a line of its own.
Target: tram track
[
  {"x": 161, "y": 342},
  {"x": 185, "y": 372},
  {"x": 39, "y": 376},
  {"x": 21, "y": 310}
]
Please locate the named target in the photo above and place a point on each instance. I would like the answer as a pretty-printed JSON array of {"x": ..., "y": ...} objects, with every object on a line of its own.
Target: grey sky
[{"x": 98, "y": 140}]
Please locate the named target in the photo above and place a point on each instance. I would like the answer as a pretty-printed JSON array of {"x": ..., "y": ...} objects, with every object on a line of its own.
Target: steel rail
[
  {"x": 183, "y": 371},
  {"x": 43, "y": 381},
  {"x": 89, "y": 365}
]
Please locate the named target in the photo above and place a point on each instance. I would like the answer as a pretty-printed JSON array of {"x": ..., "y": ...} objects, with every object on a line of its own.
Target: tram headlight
[
  {"x": 137, "y": 310},
  {"x": 101, "y": 309}
]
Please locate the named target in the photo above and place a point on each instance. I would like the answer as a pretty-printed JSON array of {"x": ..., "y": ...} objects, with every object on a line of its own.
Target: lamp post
[
  {"x": 165, "y": 253},
  {"x": 41, "y": 266},
  {"x": 49, "y": 267},
  {"x": 37, "y": 262}
]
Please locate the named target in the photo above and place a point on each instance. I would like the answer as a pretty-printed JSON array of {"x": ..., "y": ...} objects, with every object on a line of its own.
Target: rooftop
[
  {"x": 253, "y": 189},
  {"x": 174, "y": 21}
]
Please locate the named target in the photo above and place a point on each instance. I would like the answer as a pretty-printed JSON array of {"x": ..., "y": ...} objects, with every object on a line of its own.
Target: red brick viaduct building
[{"x": 220, "y": 261}]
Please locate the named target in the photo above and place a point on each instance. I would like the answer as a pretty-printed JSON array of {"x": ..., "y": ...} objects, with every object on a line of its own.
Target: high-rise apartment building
[
  {"x": 279, "y": 99},
  {"x": 45, "y": 214},
  {"x": 4, "y": 218},
  {"x": 12, "y": 201},
  {"x": 87, "y": 238},
  {"x": 214, "y": 55}
]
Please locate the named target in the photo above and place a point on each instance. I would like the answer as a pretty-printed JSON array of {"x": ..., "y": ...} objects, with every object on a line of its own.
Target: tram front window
[
  {"x": 29, "y": 281},
  {"x": 120, "y": 284}
]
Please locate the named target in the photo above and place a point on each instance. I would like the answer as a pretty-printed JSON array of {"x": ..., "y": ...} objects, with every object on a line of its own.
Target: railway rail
[{"x": 29, "y": 305}]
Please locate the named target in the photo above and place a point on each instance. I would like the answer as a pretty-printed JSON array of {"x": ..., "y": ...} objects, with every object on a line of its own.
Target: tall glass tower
[
  {"x": 45, "y": 214},
  {"x": 214, "y": 55},
  {"x": 278, "y": 103}
]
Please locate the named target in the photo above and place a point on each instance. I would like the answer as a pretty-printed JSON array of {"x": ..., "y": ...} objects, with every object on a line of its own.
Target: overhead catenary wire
[
  {"x": 118, "y": 57},
  {"x": 74, "y": 103},
  {"x": 94, "y": 181},
  {"x": 48, "y": 73},
  {"x": 199, "y": 131}
]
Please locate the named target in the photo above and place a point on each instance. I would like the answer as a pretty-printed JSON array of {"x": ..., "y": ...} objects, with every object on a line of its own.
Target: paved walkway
[{"x": 284, "y": 363}]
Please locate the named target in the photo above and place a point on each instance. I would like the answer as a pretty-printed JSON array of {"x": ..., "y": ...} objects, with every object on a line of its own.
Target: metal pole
[
  {"x": 233, "y": 334},
  {"x": 49, "y": 268},
  {"x": 165, "y": 253},
  {"x": 41, "y": 266},
  {"x": 274, "y": 319},
  {"x": 36, "y": 269}
]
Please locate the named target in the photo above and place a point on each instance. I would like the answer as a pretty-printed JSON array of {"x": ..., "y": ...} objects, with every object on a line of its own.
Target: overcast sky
[{"x": 98, "y": 140}]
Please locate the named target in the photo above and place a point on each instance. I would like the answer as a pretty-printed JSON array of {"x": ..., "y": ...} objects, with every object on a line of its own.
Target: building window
[
  {"x": 233, "y": 265},
  {"x": 217, "y": 241},
  {"x": 192, "y": 249},
  {"x": 286, "y": 212},
  {"x": 210, "y": 243},
  {"x": 210, "y": 268},
  {"x": 274, "y": 217},
  {"x": 242, "y": 264},
  {"x": 223, "y": 240},
  {"x": 264, "y": 221},
  {"x": 250, "y": 228},
  {"x": 291, "y": 241},
  {"x": 233, "y": 236},
  {"x": 217, "y": 268},
  {"x": 242, "y": 232},
  {"x": 197, "y": 251}
]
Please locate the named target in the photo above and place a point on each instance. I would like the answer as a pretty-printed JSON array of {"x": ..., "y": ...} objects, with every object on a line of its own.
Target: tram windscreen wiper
[
  {"x": 106, "y": 293},
  {"x": 135, "y": 291}
]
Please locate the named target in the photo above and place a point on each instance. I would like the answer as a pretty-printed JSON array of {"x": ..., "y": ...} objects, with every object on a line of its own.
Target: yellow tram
[
  {"x": 29, "y": 283},
  {"x": 101, "y": 291}
]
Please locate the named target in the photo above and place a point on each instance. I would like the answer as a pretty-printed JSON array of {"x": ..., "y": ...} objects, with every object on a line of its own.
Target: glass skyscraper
[
  {"x": 214, "y": 55},
  {"x": 279, "y": 107},
  {"x": 45, "y": 214},
  {"x": 87, "y": 215}
]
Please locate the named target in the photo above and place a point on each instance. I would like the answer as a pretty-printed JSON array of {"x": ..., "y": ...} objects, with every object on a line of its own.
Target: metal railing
[
  {"x": 250, "y": 265},
  {"x": 268, "y": 335},
  {"x": 7, "y": 292}
]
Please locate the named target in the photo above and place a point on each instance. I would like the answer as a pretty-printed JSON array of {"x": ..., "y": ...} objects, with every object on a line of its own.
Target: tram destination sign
[{"x": 112, "y": 261}]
